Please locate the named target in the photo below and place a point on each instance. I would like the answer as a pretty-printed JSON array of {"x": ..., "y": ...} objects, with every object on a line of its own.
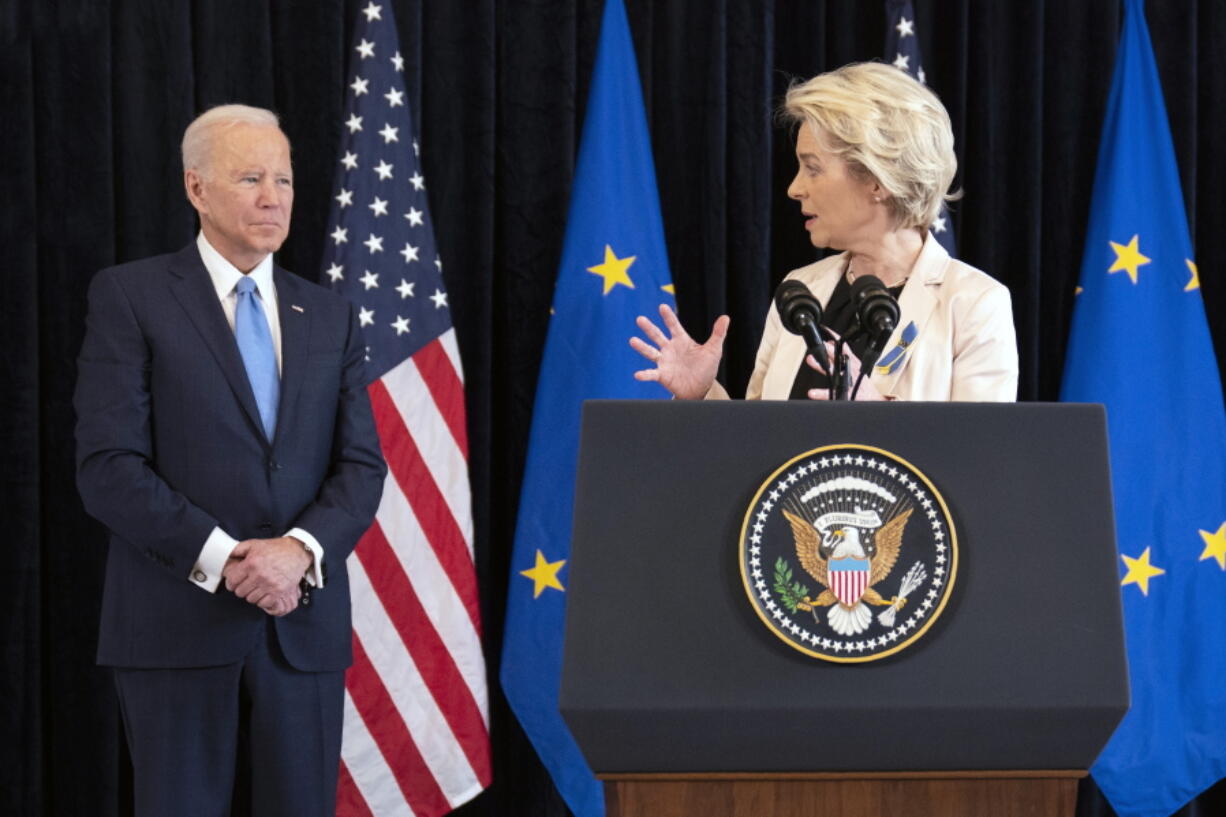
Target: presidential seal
[{"x": 848, "y": 553}]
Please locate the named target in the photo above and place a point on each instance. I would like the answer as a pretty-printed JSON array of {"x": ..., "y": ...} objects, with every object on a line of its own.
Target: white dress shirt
[{"x": 206, "y": 572}]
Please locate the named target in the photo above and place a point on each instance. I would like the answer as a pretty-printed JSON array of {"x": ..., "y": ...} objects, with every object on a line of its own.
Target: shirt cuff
[
  {"x": 206, "y": 572},
  {"x": 314, "y": 575}
]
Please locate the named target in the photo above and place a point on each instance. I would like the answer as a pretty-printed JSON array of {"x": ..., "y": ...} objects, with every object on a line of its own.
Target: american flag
[
  {"x": 416, "y": 731},
  {"x": 902, "y": 51}
]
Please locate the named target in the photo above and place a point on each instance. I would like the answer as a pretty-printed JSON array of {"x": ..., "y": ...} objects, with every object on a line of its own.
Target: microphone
[
  {"x": 801, "y": 315},
  {"x": 876, "y": 309}
]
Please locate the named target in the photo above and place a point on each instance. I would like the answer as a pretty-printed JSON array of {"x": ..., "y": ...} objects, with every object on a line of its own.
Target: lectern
[{"x": 685, "y": 701}]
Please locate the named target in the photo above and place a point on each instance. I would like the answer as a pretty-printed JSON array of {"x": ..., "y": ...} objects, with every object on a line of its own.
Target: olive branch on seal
[{"x": 791, "y": 593}]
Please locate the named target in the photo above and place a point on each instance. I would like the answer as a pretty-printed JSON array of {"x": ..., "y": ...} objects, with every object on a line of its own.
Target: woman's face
[{"x": 839, "y": 209}]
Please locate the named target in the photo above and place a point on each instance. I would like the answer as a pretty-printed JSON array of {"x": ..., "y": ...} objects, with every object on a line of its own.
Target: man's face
[{"x": 245, "y": 193}]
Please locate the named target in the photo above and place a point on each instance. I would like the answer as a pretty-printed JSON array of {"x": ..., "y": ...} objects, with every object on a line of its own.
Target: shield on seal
[{"x": 848, "y": 579}]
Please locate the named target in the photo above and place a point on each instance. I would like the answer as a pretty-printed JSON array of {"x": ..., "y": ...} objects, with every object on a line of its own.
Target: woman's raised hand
[{"x": 684, "y": 367}]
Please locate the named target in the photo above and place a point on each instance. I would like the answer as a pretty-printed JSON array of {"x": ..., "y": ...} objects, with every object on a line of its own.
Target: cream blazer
[{"x": 955, "y": 339}]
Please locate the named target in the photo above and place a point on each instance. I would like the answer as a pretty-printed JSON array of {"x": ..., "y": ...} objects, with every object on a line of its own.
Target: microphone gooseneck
[
  {"x": 801, "y": 314},
  {"x": 877, "y": 314}
]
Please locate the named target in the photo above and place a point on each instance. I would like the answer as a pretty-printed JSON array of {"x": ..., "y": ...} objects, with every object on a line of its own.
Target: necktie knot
[{"x": 246, "y": 285}]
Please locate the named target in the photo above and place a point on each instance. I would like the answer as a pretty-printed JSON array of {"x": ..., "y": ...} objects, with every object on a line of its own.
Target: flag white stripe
[
  {"x": 463, "y": 797},
  {"x": 448, "y": 341},
  {"x": 401, "y": 677},
  {"x": 433, "y": 437},
  {"x": 371, "y": 774},
  {"x": 443, "y": 606}
]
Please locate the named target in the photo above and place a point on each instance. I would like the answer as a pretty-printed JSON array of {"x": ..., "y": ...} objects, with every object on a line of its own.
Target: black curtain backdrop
[{"x": 94, "y": 99}]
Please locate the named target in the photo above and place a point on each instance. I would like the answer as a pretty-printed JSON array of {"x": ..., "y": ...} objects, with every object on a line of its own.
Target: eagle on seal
[{"x": 848, "y": 614}]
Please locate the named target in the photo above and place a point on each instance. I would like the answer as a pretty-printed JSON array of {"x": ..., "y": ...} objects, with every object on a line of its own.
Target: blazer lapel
[
  {"x": 195, "y": 293},
  {"x": 295, "y": 329},
  {"x": 823, "y": 287},
  {"x": 916, "y": 304}
]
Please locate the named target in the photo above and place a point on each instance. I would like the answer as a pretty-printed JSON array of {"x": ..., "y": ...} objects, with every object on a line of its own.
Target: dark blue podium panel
[{"x": 668, "y": 668}]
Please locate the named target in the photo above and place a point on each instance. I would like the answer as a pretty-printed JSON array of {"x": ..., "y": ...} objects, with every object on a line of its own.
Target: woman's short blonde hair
[
  {"x": 198, "y": 138},
  {"x": 886, "y": 126}
]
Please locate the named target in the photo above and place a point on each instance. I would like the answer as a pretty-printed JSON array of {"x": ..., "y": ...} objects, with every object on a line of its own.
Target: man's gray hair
[{"x": 198, "y": 138}]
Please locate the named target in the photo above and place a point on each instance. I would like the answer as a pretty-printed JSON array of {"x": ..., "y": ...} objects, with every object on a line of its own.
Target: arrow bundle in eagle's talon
[{"x": 910, "y": 582}]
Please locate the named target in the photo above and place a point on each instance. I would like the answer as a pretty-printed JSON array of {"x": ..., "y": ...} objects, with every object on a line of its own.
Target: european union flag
[
  {"x": 614, "y": 267},
  {"x": 1140, "y": 344}
]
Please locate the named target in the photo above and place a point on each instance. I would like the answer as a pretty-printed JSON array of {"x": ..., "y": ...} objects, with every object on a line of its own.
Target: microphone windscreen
[
  {"x": 864, "y": 284},
  {"x": 876, "y": 308},
  {"x": 793, "y": 299}
]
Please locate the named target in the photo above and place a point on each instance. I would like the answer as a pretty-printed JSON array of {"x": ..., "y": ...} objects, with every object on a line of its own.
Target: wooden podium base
[{"x": 850, "y": 794}]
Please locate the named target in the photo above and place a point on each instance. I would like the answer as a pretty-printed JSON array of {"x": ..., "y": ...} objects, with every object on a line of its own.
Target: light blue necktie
[{"x": 255, "y": 345}]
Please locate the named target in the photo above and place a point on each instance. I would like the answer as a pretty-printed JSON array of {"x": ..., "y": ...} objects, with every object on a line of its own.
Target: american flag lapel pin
[{"x": 297, "y": 308}]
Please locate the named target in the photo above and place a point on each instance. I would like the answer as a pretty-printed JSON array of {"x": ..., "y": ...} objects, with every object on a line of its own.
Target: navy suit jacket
[{"x": 170, "y": 445}]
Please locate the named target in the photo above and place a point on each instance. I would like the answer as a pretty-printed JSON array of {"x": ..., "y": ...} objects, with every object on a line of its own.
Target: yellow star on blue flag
[
  {"x": 1194, "y": 281},
  {"x": 1143, "y": 349},
  {"x": 544, "y": 573},
  {"x": 1128, "y": 258},
  {"x": 1140, "y": 571},
  {"x": 613, "y": 270},
  {"x": 1215, "y": 546},
  {"x": 614, "y": 222}
]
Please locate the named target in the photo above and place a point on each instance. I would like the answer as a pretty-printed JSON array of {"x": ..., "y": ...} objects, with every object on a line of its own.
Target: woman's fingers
[
  {"x": 816, "y": 394},
  {"x": 645, "y": 349},
  {"x": 670, "y": 322},
  {"x": 651, "y": 330},
  {"x": 685, "y": 364},
  {"x": 719, "y": 331}
]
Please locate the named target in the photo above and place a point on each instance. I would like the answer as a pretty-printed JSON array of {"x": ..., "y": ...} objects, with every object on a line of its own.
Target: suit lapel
[
  {"x": 195, "y": 293},
  {"x": 916, "y": 304},
  {"x": 295, "y": 329}
]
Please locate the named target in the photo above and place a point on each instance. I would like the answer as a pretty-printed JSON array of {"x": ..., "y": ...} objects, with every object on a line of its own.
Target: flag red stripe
[
  {"x": 417, "y": 483},
  {"x": 349, "y": 800},
  {"x": 390, "y": 734},
  {"x": 435, "y": 663},
  {"x": 445, "y": 387}
]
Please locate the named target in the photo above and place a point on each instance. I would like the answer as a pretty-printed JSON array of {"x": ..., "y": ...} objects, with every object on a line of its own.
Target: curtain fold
[{"x": 21, "y": 616}]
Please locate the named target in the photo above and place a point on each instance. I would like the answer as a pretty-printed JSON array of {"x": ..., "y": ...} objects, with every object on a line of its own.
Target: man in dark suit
[{"x": 225, "y": 439}]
